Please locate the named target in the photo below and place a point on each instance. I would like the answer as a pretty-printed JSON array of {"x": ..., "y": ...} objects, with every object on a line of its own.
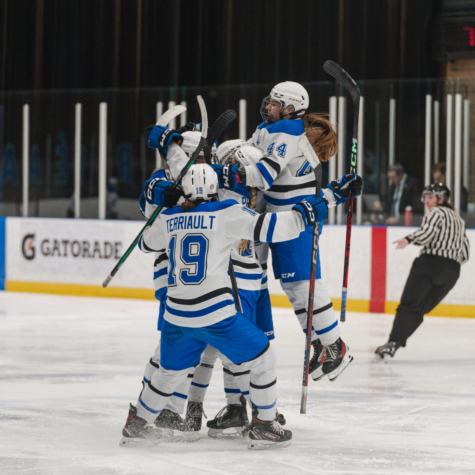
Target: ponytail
[{"x": 322, "y": 135}]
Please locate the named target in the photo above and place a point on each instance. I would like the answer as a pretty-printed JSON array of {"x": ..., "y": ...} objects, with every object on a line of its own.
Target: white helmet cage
[
  {"x": 248, "y": 155},
  {"x": 289, "y": 94},
  {"x": 200, "y": 182},
  {"x": 227, "y": 150},
  {"x": 190, "y": 143}
]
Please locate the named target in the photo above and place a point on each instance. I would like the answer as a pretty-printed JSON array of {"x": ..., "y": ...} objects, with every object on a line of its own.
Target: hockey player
[
  {"x": 200, "y": 309},
  {"x": 286, "y": 178},
  {"x": 232, "y": 419},
  {"x": 158, "y": 192}
]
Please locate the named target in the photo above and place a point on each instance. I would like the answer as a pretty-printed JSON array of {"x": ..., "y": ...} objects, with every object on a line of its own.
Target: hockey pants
[{"x": 191, "y": 342}]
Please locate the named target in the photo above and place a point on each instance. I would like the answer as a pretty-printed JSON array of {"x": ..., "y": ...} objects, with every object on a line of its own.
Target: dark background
[
  {"x": 150, "y": 43},
  {"x": 133, "y": 53}
]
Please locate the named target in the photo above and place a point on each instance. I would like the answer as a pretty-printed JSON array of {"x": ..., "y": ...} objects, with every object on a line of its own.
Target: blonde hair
[{"x": 321, "y": 134}]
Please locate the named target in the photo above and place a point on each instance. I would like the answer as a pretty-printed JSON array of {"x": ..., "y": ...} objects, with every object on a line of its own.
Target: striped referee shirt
[{"x": 442, "y": 234}]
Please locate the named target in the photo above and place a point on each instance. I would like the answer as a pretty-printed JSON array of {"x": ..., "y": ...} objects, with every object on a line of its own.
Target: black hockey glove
[
  {"x": 161, "y": 138},
  {"x": 188, "y": 127},
  {"x": 172, "y": 195}
]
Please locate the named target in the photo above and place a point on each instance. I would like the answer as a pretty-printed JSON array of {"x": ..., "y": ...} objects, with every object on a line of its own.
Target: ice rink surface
[{"x": 70, "y": 366}]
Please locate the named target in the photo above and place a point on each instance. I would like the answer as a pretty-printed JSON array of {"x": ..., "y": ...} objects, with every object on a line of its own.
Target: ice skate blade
[
  {"x": 318, "y": 374},
  {"x": 382, "y": 359},
  {"x": 267, "y": 444},
  {"x": 138, "y": 441},
  {"x": 230, "y": 433},
  {"x": 346, "y": 361}
]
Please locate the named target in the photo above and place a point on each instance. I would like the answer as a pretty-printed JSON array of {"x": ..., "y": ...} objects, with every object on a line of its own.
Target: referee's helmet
[{"x": 437, "y": 189}]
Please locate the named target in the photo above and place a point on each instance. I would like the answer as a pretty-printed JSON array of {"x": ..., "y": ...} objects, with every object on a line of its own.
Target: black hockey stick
[
  {"x": 204, "y": 121},
  {"x": 350, "y": 85},
  {"x": 314, "y": 161},
  {"x": 216, "y": 130},
  {"x": 235, "y": 287}
]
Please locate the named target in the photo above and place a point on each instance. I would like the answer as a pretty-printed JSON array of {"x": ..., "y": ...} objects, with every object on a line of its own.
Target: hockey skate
[
  {"x": 268, "y": 435},
  {"x": 315, "y": 369},
  {"x": 385, "y": 352},
  {"x": 194, "y": 416},
  {"x": 335, "y": 359},
  {"x": 138, "y": 430},
  {"x": 230, "y": 422},
  {"x": 175, "y": 427},
  {"x": 280, "y": 417}
]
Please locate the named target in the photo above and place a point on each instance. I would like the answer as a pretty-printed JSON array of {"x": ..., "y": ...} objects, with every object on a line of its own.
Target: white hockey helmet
[
  {"x": 190, "y": 143},
  {"x": 248, "y": 155},
  {"x": 289, "y": 94},
  {"x": 227, "y": 150},
  {"x": 200, "y": 182}
]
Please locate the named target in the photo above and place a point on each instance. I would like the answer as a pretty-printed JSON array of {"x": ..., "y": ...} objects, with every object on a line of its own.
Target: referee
[{"x": 434, "y": 272}]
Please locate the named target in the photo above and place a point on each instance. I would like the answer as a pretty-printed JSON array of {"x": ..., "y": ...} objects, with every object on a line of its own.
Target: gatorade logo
[{"x": 28, "y": 247}]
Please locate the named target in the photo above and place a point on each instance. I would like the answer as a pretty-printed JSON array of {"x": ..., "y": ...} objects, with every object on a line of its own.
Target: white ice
[{"x": 69, "y": 367}]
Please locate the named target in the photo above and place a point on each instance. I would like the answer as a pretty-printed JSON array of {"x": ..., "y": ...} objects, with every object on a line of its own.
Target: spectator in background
[
  {"x": 404, "y": 191},
  {"x": 439, "y": 170}
]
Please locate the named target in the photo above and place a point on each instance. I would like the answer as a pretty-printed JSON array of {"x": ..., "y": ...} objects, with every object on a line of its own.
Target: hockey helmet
[
  {"x": 227, "y": 150},
  {"x": 289, "y": 94},
  {"x": 190, "y": 143},
  {"x": 200, "y": 182},
  {"x": 248, "y": 155},
  {"x": 437, "y": 189}
]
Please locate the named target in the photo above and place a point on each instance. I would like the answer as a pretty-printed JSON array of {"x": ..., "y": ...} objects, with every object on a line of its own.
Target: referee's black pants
[{"x": 429, "y": 281}]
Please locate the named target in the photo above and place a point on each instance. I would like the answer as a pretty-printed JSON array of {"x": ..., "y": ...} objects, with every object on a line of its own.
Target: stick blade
[
  {"x": 216, "y": 130},
  {"x": 171, "y": 114},
  {"x": 343, "y": 78}
]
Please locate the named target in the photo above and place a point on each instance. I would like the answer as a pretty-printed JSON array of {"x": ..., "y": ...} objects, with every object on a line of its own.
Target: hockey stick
[
  {"x": 216, "y": 130},
  {"x": 235, "y": 287},
  {"x": 350, "y": 85},
  {"x": 314, "y": 161},
  {"x": 204, "y": 121}
]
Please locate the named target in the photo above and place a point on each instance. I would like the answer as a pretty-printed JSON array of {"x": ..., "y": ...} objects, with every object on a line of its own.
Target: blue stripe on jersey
[
  {"x": 264, "y": 407},
  {"x": 264, "y": 280},
  {"x": 326, "y": 330},
  {"x": 286, "y": 126},
  {"x": 199, "y": 313},
  {"x": 290, "y": 201},
  {"x": 204, "y": 386},
  {"x": 270, "y": 229},
  {"x": 265, "y": 174},
  {"x": 261, "y": 126},
  {"x": 206, "y": 207},
  {"x": 159, "y": 273},
  {"x": 248, "y": 276},
  {"x": 183, "y": 396}
]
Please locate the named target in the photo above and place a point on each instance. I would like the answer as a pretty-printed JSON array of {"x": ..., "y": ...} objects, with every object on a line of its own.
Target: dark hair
[
  {"x": 439, "y": 167},
  {"x": 398, "y": 168}
]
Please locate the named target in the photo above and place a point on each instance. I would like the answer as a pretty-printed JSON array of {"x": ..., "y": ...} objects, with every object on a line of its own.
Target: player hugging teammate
[{"x": 195, "y": 243}]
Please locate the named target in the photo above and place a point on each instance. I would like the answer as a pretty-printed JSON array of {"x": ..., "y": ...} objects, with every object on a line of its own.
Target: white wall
[{"x": 137, "y": 271}]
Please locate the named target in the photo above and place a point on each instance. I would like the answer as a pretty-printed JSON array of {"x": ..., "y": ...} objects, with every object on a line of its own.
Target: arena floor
[{"x": 69, "y": 367}]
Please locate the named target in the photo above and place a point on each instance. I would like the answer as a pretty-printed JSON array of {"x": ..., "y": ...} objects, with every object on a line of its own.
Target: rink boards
[{"x": 73, "y": 257}]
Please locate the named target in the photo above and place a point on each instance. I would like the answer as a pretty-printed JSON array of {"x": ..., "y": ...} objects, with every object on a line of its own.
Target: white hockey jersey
[
  {"x": 283, "y": 173},
  {"x": 198, "y": 244}
]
